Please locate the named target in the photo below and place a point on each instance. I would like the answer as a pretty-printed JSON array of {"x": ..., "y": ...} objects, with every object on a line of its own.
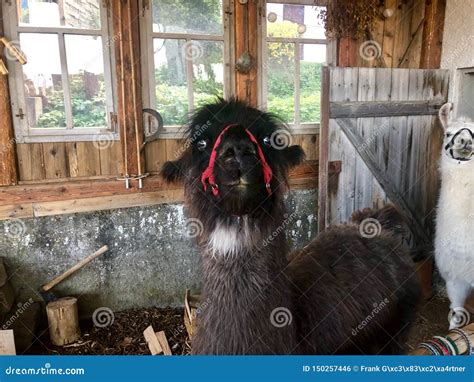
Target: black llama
[{"x": 344, "y": 293}]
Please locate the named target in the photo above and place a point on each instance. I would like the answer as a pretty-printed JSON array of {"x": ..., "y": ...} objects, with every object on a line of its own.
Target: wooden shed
[{"x": 94, "y": 95}]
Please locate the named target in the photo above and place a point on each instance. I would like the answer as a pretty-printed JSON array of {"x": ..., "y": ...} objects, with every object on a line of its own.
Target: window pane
[
  {"x": 60, "y": 13},
  {"x": 188, "y": 16},
  {"x": 208, "y": 71},
  {"x": 86, "y": 80},
  {"x": 312, "y": 59},
  {"x": 286, "y": 20},
  {"x": 170, "y": 78},
  {"x": 44, "y": 95},
  {"x": 281, "y": 80}
]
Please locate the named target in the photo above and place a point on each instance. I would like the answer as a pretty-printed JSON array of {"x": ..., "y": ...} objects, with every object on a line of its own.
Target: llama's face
[
  {"x": 245, "y": 169},
  {"x": 458, "y": 137}
]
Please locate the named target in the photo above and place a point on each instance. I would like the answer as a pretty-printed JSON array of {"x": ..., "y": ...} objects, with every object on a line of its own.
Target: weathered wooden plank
[
  {"x": 324, "y": 150},
  {"x": 390, "y": 28},
  {"x": 30, "y": 161},
  {"x": 8, "y": 173},
  {"x": 245, "y": 24},
  {"x": 84, "y": 159},
  {"x": 127, "y": 62},
  {"x": 155, "y": 155},
  {"x": 111, "y": 159},
  {"x": 15, "y": 211},
  {"x": 55, "y": 160},
  {"x": 365, "y": 129},
  {"x": 432, "y": 39},
  {"x": 107, "y": 202},
  {"x": 384, "y": 108},
  {"x": 395, "y": 196},
  {"x": 402, "y": 35}
]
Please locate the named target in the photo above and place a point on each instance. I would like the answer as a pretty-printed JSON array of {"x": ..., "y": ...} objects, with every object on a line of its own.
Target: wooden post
[
  {"x": 8, "y": 173},
  {"x": 323, "y": 151},
  {"x": 246, "y": 26},
  {"x": 432, "y": 34},
  {"x": 63, "y": 321},
  {"x": 127, "y": 52}
]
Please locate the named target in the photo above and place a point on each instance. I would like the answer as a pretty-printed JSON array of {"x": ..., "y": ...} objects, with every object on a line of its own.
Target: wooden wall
[
  {"x": 399, "y": 39},
  {"x": 61, "y": 160}
]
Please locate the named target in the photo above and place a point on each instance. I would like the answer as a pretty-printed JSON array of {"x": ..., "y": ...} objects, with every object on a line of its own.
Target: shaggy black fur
[{"x": 341, "y": 294}]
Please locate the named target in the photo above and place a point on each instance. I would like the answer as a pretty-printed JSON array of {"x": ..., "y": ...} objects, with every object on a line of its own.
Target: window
[
  {"x": 65, "y": 91},
  {"x": 186, "y": 60},
  {"x": 293, "y": 52}
]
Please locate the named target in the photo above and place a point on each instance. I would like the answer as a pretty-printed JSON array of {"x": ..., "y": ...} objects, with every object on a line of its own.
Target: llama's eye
[
  {"x": 267, "y": 141},
  {"x": 201, "y": 145},
  {"x": 448, "y": 135}
]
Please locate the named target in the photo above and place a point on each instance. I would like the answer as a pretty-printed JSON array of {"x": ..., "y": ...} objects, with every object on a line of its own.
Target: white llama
[{"x": 454, "y": 243}]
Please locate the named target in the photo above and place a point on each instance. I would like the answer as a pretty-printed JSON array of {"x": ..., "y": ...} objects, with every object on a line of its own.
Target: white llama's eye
[
  {"x": 267, "y": 141},
  {"x": 201, "y": 145},
  {"x": 448, "y": 135}
]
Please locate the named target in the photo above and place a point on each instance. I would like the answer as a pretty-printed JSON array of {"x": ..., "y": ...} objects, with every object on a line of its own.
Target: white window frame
[
  {"x": 296, "y": 126},
  {"x": 25, "y": 134},
  {"x": 148, "y": 65}
]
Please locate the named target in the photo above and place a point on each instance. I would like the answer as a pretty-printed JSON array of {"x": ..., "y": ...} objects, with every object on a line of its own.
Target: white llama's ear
[{"x": 445, "y": 114}]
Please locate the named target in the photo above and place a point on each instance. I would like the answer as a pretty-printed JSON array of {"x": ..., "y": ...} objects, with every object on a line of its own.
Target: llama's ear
[
  {"x": 445, "y": 114},
  {"x": 174, "y": 171},
  {"x": 294, "y": 155}
]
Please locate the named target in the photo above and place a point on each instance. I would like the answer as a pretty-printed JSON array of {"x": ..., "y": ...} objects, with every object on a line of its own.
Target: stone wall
[{"x": 151, "y": 261}]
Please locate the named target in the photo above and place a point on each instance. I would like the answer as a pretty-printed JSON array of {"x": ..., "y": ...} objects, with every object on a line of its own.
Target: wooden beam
[
  {"x": 323, "y": 151},
  {"x": 127, "y": 52},
  {"x": 246, "y": 26},
  {"x": 82, "y": 196},
  {"x": 8, "y": 172},
  {"x": 432, "y": 39},
  {"x": 385, "y": 182},
  {"x": 383, "y": 108}
]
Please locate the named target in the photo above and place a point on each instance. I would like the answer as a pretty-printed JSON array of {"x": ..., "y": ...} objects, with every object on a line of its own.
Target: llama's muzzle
[{"x": 208, "y": 174}]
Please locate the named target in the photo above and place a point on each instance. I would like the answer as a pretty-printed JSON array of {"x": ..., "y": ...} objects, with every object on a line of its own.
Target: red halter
[{"x": 208, "y": 173}]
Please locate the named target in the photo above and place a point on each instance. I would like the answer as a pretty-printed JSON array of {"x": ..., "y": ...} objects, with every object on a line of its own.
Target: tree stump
[{"x": 63, "y": 321}]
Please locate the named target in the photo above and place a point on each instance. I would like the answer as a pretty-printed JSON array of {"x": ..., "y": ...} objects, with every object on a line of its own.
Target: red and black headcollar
[{"x": 208, "y": 174}]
